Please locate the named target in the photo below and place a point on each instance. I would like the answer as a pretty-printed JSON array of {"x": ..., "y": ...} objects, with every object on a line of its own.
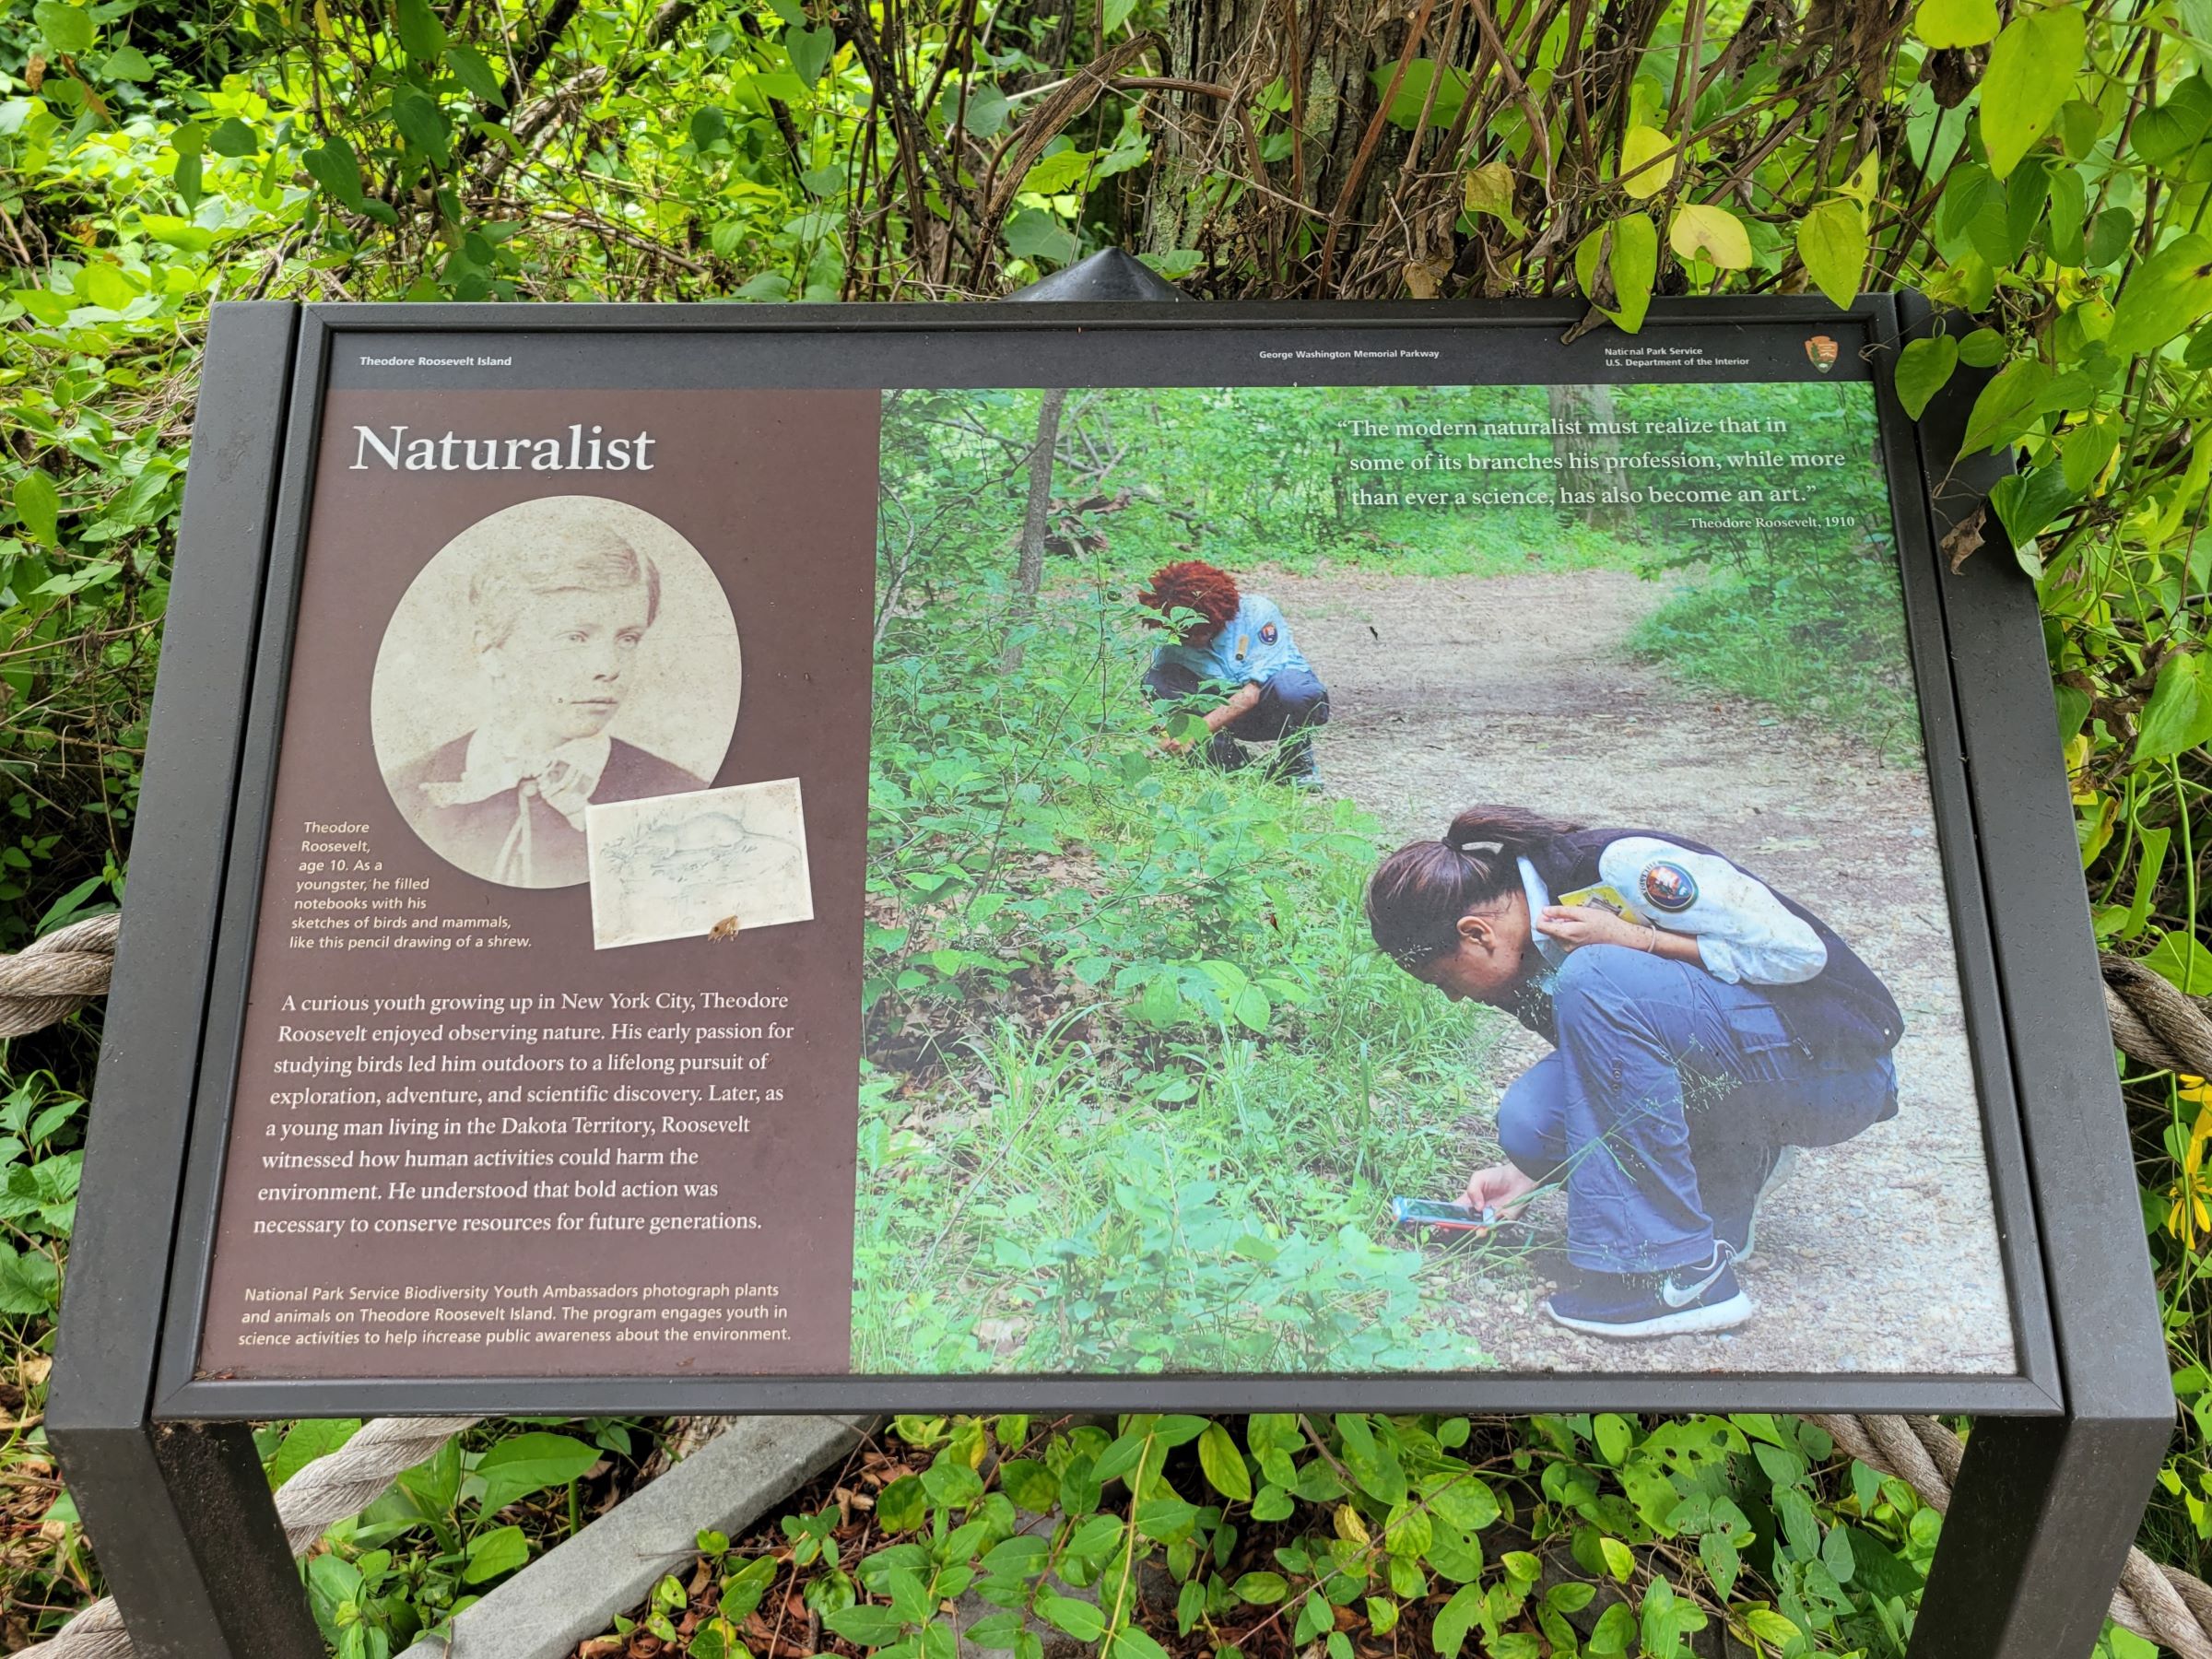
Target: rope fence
[{"x": 2153, "y": 1024}]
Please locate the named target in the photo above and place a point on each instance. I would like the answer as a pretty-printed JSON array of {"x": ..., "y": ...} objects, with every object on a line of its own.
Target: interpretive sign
[
  {"x": 1393, "y": 847},
  {"x": 904, "y": 852},
  {"x": 1146, "y": 857}
]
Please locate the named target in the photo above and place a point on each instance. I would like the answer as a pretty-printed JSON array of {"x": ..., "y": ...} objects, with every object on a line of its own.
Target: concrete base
[{"x": 573, "y": 1592}]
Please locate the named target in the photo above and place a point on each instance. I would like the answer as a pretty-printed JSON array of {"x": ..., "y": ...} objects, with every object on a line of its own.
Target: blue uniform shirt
[
  {"x": 1252, "y": 650},
  {"x": 1744, "y": 933}
]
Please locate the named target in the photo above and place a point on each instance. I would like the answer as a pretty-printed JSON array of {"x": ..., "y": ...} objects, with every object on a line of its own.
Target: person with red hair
[{"x": 1234, "y": 664}]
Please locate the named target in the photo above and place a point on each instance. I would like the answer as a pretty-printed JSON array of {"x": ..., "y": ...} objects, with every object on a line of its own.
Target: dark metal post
[
  {"x": 188, "y": 1539},
  {"x": 1108, "y": 274},
  {"x": 2045, "y": 1507},
  {"x": 180, "y": 1513},
  {"x": 2043, "y": 1515}
]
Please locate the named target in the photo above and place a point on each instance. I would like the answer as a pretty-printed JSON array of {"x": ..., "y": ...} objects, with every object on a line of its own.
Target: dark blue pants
[
  {"x": 1293, "y": 701},
  {"x": 1669, "y": 1098}
]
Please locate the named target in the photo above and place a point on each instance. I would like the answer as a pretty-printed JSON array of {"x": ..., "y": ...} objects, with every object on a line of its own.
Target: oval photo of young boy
[{"x": 555, "y": 653}]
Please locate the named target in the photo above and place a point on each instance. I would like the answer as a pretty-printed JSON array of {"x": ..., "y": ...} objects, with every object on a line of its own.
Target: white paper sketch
[{"x": 718, "y": 862}]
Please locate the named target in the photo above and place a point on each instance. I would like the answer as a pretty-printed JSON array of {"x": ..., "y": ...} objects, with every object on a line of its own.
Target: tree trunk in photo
[
  {"x": 1586, "y": 407},
  {"x": 1028, "y": 574}
]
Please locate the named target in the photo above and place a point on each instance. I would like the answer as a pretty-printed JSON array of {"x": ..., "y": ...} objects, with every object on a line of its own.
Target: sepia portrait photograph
[
  {"x": 562, "y": 652},
  {"x": 710, "y": 863}
]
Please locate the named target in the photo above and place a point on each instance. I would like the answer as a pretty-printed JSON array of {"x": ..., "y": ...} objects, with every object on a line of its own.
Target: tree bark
[
  {"x": 1586, "y": 407},
  {"x": 1029, "y": 573}
]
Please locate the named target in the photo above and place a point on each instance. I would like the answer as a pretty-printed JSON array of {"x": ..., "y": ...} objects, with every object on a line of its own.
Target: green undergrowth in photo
[
  {"x": 1795, "y": 604},
  {"x": 1138, "y": 1087}
]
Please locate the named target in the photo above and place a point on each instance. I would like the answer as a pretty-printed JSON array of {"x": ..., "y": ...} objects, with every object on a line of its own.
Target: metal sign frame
[{"x": 166, "y": 1479}]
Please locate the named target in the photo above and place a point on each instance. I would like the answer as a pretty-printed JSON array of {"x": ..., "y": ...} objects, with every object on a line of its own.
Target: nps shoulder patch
[{"x": 1668, "y": 887}]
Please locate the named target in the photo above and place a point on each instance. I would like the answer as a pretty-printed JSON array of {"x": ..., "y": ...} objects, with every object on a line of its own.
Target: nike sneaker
[
  {"x": 1741, "y": 1228},
  {"x": 1679, "y": 1302}
]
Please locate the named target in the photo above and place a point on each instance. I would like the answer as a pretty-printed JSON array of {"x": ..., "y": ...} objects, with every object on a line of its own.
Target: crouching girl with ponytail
[{"x": 1702, "y": 1025}]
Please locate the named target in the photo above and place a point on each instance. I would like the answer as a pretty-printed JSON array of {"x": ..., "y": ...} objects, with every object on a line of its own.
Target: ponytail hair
[{"x": 1418, "y": 895}]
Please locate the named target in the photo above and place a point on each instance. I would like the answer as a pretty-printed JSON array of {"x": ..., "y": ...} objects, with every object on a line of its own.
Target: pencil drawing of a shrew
[
  {"x": 732, "y": 858},
  {"x": 559, "y": 615}
]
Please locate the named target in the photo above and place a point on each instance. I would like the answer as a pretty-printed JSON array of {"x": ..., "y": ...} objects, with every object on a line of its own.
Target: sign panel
[{"x": 1376, "y": 849}]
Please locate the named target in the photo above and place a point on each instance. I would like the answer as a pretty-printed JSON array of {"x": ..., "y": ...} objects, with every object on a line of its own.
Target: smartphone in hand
[{"x": 1445, "y": 1217}]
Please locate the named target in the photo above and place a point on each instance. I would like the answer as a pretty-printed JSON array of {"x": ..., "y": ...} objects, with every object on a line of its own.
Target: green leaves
[
  {"x": 39, "y": 504},
  {"x": 529, "y": 1462},
  {"x": 1081, "y": 1620},
  {"x": 1032, "y": 233},
  {"x": 742, "y": 1591},
  {"x": 490, "y": 1554},
  {"x": 1951, "y": 23},
  {"x": 2166, "y": 294},
  {"x": 307, "y": 1440},
  {"x": 2179, "y": 715},
  {"x": 474, "y": 71},
  {"x": 1374, "y": 1463},
  {"x": 338, "y": 169},
  {"x": 865, "y": 1625},
  {"x": 2031, "y": 74},
  {"x": 1617, "y": 264},
  {"x": 1831, "y": 240},
  {"x": 420, "y": 122},
  {"x": 1923, "y": 369},
  {"x": 1458, "y": 1616},
  {"x": 1224, "y": 1465},
  {"x": 68, "y": 29},
  {"x": 810, "y": 50},
  {"x": 1025, "y": 1481},
  {"x": 2006, "y": 407},
  {"x": 421, "y": 36}
]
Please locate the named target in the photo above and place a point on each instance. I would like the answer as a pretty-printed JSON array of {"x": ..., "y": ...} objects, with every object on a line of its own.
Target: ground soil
[{"x": 1877, "y": 1255}]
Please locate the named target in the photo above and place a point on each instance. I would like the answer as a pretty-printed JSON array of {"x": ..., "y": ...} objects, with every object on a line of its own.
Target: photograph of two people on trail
[{"x": 1318, "y": 927}]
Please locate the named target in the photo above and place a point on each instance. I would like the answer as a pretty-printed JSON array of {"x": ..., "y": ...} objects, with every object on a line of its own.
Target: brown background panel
[{"x": 777, "y": 490}]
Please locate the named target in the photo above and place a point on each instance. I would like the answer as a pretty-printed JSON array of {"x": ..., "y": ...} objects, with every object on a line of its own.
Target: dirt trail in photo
[{"x": 1877, "y": 1255}]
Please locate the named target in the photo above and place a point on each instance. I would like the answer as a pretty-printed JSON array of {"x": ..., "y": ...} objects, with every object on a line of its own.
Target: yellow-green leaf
[
  {"x": 1489, "y": 189},
  {"x": 2006, "y": 405},
  {"x": 1770, "y": 1626},
  {"x": 1831, "y": 239},
  {"x": 2031, "y": 75},
  {"x": 68, "y": 29},
  {"x": 1224, "y": 1465},
  {"x": 1922, "y": 369},
  {"x": 492, "y": 1553},
  {"x": 1616, "y": 265},
  {"x": 1713, "y": 234},
  {"x": 2179, "y": 715},
  {"x": 1643, "y": 174},
  {"x": 1942, "y": 23},
  {"x": 2167, "y": 293},
  {"x": 1619, "y": 1561},
  {"x": 39, "y": 505},
  {"x": 106, "y": 285}
]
